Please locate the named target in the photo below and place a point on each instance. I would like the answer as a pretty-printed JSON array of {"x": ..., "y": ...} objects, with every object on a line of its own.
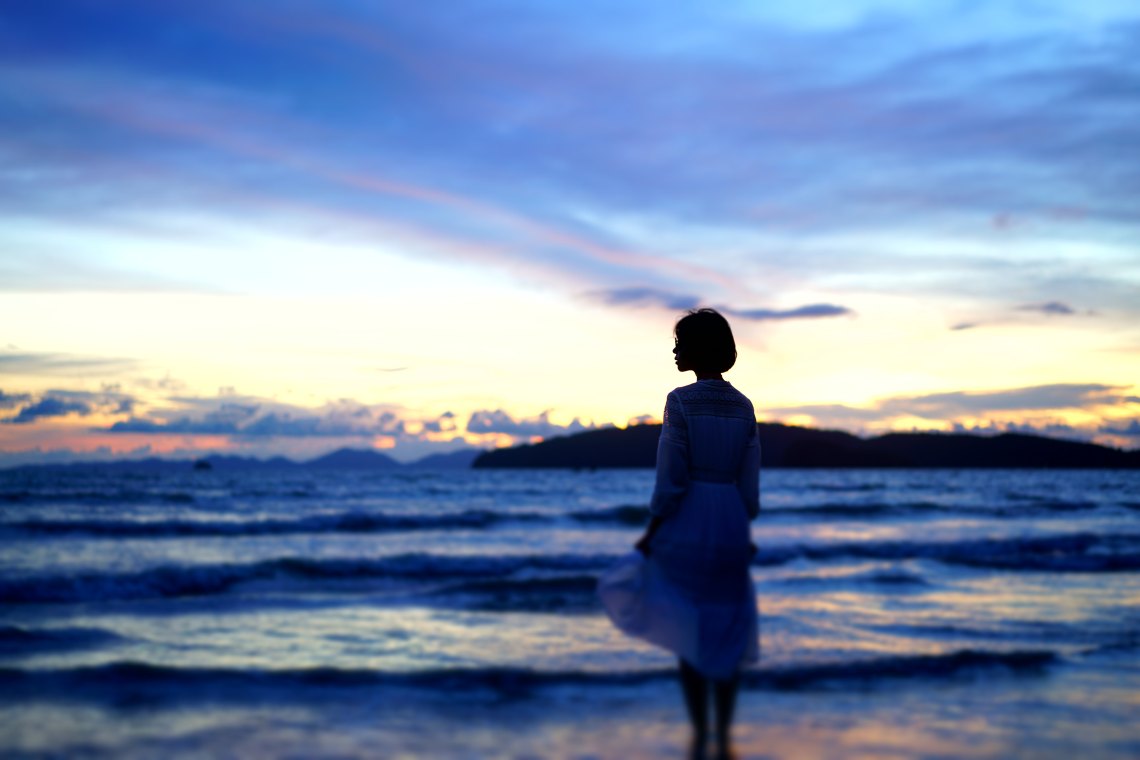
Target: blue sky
[{"x": 495, "y": 211}]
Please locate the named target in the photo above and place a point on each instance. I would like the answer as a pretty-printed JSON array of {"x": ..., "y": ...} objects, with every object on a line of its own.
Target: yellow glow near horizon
[{"x": 422, "y": 338}]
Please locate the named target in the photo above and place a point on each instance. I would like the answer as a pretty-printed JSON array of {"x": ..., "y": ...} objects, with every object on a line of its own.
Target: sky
[{"x": 284, "y": 227}]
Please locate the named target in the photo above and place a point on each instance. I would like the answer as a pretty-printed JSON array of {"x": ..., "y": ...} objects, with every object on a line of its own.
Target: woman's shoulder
[{"x": 710, "y": 391}]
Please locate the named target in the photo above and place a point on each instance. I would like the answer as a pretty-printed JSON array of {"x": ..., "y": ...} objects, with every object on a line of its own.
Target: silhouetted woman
[{"x": 695, "y": 595}]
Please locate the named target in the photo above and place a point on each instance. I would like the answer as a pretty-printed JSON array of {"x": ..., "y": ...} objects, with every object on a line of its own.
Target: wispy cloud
[
  {"x": 528, "y": 153},
  {"x": 646, "y": 297},
  {"x": 1049, "y": 308},
  {"x": 1057, "y": 396},
  {"x": 810, "y": 311},
  {"x": 59, "y": 364},
  {"x": 652, "y": 297},
  {"x": 955, "y": 404}
]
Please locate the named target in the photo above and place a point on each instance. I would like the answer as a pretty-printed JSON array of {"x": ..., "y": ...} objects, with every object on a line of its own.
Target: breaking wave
[{"x": 138, "y": 683}]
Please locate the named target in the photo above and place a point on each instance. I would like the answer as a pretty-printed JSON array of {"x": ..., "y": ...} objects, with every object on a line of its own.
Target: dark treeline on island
[{"x": 787, "y": 446}]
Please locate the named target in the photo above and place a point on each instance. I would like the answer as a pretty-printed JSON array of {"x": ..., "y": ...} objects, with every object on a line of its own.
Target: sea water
[{"x": 904, "y": 613}]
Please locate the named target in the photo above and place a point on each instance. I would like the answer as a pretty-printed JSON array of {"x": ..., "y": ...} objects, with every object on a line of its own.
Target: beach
[{"x": 904, "y": 613}]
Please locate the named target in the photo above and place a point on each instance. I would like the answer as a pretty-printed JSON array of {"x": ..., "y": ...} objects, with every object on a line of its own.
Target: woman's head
[{"x": 704, "y": 342}]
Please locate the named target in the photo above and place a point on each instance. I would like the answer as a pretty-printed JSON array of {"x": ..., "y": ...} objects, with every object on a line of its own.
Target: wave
[
  {"x": 380, "y": 522},
  {"x": 564, "y": 593},
  {"x": 290, "y": 573},
  {"x": 865, "y": 510},
  {"x": 1081, "y": 552},
  {"x": 887, "y": 509},
  {"x": 860, "y": 487},
  {"x": 339, "y": 522},
  {"x": 115, "y": 496},
  {"x": 146, "y": 684},
  {"x": 639, "y": 514},
  {"x": 342, "y": 522},
  {"x": 16, "y": 640},
  {"x": 625, "y": 514},
  {"x": 1123, "y": 645},
  {"x": 892, "y": 578}
]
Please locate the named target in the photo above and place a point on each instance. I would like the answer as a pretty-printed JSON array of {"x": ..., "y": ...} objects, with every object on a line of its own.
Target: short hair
[{"x": 706, "y": 339}]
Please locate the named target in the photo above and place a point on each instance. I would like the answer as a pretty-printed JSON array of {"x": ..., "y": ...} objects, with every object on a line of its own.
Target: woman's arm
[
  {"x": 642, "y": 544},
  {"x": 672, "y": 460},
  {"x": 748, "y": 476},
  {"x": 672, "y": 468}
]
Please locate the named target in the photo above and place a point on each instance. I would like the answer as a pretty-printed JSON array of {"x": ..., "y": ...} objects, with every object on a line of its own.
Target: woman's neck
[{"x": 708, "y": 375}]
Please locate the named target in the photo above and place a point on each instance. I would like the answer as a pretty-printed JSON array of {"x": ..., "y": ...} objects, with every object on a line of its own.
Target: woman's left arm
[
  {"x": 672, "y": 479},
  {"x": 642, "y": 544},
  {"x": 748, "y": 477}
]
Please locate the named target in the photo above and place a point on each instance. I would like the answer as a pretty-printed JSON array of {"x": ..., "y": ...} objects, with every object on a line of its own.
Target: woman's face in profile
[{"x": 679, "y": 357}]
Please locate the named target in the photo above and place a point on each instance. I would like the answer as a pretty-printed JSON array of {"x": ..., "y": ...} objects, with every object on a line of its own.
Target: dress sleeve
[
  {"x": 748, "y": 478},
  {"x": 672, "y": 460}
]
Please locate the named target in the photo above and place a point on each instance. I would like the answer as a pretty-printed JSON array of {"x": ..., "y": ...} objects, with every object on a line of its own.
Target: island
[{"x": 792, "y": 446}]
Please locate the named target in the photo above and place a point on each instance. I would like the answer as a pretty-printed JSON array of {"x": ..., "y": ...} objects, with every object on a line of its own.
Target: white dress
[{"x": 694, "y": 595}]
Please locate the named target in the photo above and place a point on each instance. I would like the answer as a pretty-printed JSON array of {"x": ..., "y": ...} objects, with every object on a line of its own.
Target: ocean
[{"x": 451, "y": 614}]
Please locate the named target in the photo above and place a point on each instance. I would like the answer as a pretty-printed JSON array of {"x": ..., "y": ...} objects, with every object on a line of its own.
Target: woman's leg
[
  {"x": 696, "y": 691},
  {"x": 724, "y": 694}
]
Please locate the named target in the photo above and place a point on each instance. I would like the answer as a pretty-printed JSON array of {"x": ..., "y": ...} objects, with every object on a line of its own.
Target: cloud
[
  {"x": 257, "y": 418},
  {"x": 445, "y": 423},
  {"x": 1131, "y": 430},
  {"x": 9, "y": 400},
  {"x": 811, "y": 311},
  {"x": 60, "y": 403},
  {"x": 604, "y": 156},
  {"x": 498, "y": 421},
  {"x": 952, "y": 405},
  {"x": 829, "y": 415},
  {"x": 68, "y": 365},
  {"x": 1038, "y": 397},
  {"x": 1049, "y": 308},
  {"x": 652, "y": 297},
  {"x": 1051, "y": 429},
  {"x": 247, "y": 418},
  {"x": 48, "y": 407},
  {"x": 646, "y": 297}
]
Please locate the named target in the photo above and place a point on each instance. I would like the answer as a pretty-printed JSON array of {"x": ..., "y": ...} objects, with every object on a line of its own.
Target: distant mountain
[
  {"x": 342, "y": 459},
  {"x": 228, "y": 463},
  {"x": 453, "y": 460},
  {"x": 788, "y": 446},
  {"x": 353, "y": 459}
]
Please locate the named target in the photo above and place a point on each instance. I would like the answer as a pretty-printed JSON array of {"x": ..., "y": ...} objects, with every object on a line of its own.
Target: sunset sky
[{"x": 285, "y": 227}]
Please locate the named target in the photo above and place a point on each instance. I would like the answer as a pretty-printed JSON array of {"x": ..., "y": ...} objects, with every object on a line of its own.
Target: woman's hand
[{"x": 642, "y": 544}]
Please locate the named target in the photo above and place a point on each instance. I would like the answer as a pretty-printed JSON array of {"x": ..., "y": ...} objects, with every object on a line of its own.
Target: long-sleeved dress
[{"x": 694, "y": 595}]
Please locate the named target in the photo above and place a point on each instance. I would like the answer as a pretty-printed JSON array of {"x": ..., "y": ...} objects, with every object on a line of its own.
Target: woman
[{"x": 695, "y": 595}]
